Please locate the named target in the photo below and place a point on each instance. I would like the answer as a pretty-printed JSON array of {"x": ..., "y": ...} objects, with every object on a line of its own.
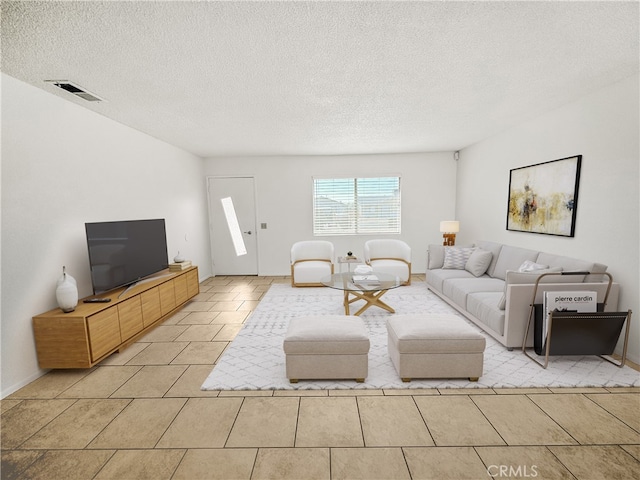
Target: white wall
[
  {"x": 603, "y": 127},
  {"x": 62, "y": 166},
  {"x": 284, "y": 199}
]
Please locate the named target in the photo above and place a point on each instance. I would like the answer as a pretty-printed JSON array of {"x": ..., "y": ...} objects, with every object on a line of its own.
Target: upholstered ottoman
[
  {"x": 327, "y": 347},
  {"x": 435, "y": 346}
]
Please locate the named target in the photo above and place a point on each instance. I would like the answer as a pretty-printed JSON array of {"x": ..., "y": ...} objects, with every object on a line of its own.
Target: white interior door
[{"x": 232, "y": 222}]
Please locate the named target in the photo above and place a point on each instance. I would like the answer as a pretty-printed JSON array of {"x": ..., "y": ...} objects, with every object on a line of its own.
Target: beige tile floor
[{"x": 141, "y": 414}]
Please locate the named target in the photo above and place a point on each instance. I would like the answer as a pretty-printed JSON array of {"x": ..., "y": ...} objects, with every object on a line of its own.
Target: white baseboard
[{"x": 14, "y": 388}]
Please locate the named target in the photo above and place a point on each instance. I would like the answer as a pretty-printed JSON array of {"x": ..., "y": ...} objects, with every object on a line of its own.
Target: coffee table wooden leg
[
  {"x": 346, "y": 302},
  {"x": 372, "y": 298},
  {"x": 380, "y": 303}
]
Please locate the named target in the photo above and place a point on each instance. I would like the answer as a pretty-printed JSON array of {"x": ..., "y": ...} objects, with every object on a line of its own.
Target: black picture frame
[{"x": 543, "y": 198}]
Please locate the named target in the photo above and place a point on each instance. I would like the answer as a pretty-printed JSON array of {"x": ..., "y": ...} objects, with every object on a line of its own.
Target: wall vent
[{"x": 76, "y": 90}]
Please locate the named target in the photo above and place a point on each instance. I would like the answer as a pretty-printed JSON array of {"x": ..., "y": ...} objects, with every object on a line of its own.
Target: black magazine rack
[{"x": 573, "y": 333}]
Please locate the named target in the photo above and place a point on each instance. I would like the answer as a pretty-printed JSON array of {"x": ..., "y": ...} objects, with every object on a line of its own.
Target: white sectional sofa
[{"x": 488, "y": 283}]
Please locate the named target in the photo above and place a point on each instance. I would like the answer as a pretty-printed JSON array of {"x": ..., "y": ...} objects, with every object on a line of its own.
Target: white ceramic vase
[
  {"x": 178, "y": 258},
  {"x": 67, "y": 292}
]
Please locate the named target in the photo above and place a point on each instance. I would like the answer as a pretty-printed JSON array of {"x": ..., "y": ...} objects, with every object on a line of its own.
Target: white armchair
[
  {"x": 310, "y": 261},
  {"x": 389, "y": 256}
]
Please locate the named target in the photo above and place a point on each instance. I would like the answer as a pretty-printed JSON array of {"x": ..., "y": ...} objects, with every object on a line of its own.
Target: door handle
[{"x": 248, "y": 233}]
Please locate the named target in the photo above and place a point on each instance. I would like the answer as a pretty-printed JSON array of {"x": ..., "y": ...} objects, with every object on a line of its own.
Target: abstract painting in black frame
[{"x": 543, "y": 198}]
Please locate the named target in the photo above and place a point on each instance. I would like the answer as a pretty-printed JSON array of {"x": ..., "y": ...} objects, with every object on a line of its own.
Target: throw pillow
[
  {"x": 514, "y": 277},
  {"x": 478, "y": 262},
  {"x": 456, "y": 257},
  {"x": 529, "y": 266}
]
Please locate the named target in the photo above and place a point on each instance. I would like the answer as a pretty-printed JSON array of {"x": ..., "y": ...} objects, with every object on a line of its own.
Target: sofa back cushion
[
  {"x": 597, "y": 268},
  {"x": 569, "y": 264},
  {"x": 435, "y": 258},
  {"x": 494, "y": 248},
  {"x": 511, "y": 258}
]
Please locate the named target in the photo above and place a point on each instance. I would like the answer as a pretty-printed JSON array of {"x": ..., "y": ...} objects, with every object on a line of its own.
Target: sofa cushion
[
  {"x": 435, "y": 278},
  {"x": 456, "y": 257},
  {"x": 457, "y": 289},
  {"x": 530, "y": 278},
  {"x": 568, "y": 264},
  {"x": 494, "y": 248},
  {"x": 478, "y": 262},
  {"x": 484, "y": 307},
  {"x": 594, "y": 277},
  {"x": 511, "y": 258},
  {"x": 435, "y": 257}
]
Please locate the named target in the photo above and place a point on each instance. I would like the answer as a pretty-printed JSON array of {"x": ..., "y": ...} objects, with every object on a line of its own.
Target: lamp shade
[{"x": 450, "y": 226}]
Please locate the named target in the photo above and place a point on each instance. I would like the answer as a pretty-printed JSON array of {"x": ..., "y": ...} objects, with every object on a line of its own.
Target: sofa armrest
[{"x": 519, "y": 300}]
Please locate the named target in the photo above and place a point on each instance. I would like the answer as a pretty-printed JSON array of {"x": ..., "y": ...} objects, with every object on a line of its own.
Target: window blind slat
[{"x": 350, "y": 206}]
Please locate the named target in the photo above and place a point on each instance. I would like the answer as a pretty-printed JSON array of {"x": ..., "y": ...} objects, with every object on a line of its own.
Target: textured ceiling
[{"x": 274, "y": 78}]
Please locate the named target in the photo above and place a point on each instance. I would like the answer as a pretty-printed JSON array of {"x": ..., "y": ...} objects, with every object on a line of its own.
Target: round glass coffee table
[{"x": 368, "y": 287}]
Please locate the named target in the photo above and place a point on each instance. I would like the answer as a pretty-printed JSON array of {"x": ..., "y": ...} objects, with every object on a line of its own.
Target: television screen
[{"x": 121, "y": 253}]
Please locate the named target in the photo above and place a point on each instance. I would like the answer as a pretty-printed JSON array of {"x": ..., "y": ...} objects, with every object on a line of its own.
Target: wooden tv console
[{"x": 93, "y": 331}]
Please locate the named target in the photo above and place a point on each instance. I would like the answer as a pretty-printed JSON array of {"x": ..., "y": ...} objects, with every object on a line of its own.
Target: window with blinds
[{"x": 352, "y": 206}]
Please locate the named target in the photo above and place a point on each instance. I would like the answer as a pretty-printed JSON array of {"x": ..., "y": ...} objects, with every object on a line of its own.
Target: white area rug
[{"x": 256, "y": 361}]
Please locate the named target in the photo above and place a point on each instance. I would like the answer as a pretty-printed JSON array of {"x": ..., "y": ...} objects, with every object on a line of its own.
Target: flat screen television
[{"x": 122, "y": 253}]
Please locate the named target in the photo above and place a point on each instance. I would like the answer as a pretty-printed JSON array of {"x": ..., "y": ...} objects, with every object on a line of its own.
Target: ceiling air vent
[{"x": 76, "y": 90}]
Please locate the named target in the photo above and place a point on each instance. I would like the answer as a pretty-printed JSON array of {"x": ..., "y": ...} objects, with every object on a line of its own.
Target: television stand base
[{"x": 93, "y": 331}]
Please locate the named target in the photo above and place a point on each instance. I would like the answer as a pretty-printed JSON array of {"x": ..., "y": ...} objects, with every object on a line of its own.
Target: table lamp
[{"x": 449, "y": 228}]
